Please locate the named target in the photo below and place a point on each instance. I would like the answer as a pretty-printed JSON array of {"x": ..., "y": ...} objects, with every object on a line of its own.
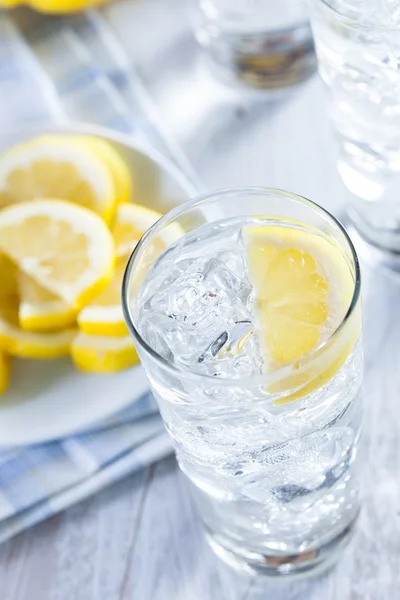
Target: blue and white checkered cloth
[{"x": 55, "y": 69}]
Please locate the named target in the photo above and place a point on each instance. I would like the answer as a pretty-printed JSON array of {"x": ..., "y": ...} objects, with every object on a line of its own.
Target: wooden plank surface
[{"x": 141, "y": 539}]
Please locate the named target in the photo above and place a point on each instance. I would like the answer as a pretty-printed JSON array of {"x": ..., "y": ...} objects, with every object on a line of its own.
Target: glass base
[{"x": 309, "y": 563}]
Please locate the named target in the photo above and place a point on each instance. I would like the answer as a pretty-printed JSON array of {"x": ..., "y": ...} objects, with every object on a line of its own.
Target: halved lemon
[
  {"x": 41, "y": 310},
  {"x": 5, "y": 372},
  {"x": 65, "y": 248},
  {"x": 303, "y": 288},
  {"x": 119, "y": 170},
  {"x": 57, "y": 166},
  {"x": 102, "y": 354},
  {"x": 17, "y": 342},
  {"x": 103, "y": 316}
]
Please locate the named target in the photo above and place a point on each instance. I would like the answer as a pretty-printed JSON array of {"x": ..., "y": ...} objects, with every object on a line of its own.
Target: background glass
[
  {"x": 263, "y": 43},
  {"x": 358, "y": 50},
  {"x": 276, "y": 485}
]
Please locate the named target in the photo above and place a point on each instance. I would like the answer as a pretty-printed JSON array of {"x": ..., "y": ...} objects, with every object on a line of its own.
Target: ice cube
[{"x": 200, "y": 308}]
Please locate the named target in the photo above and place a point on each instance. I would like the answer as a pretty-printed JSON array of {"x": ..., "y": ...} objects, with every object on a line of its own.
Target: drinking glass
[
  {"x": 262, "y": 43},
  {"x": 358, "y": 50},
  {"x": 271, "y": 456}
]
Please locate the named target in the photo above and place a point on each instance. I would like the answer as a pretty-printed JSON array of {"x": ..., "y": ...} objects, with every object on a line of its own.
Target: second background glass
[{"x": 262, "y": 43}]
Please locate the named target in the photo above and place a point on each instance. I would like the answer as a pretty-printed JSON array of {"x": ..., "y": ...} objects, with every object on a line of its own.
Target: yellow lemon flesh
[
  {"x": 41, "y": 310},
  {"x": 56, "y": 166},
  {"x": 103, "y": 354},
  {"x": 65, "y": 248},
  {"x": 303, "y": 288},
  {"x": 131, "y": 221}
]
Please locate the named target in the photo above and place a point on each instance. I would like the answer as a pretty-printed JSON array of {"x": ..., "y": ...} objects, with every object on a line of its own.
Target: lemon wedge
[
  {"x": 5, "y": 372},
  {"x": 65, "y": 248},
  {"x": 103, "y": 354},
  {"x": 103, "y": 316},
  {"x": 56, "y": 166},
  {"x": 41, "y": 310},
  {"x": 303, "y": 288},
  {"x": 17, "y": 342}
]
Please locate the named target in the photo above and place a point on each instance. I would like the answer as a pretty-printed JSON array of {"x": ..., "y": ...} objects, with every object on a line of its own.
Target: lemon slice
[
  {"x": 5, "y": 372},
  {"x": 56, "y": 166},
  {"x": 303, "y": 288},
  {"x": 103, "y": 316},
  {"x": 41, "y": 310},
  {"x": 102, "y": 354},
  {"x": 131, "y": 221},
  {"x": 117, "y": 166},
  {"x": 65, "y": 248},
  {"x": 17, "y": 342}
]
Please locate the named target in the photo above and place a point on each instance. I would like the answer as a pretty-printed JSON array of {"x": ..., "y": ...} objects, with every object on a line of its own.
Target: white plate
[{"x": 50, "y": 399}]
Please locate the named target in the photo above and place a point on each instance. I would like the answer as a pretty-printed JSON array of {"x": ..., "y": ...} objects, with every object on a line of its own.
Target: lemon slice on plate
[
  {"x": 114, "y": 161},
  {"x": 65, "y": 248},
  {"x": 103, "y": 316},
  {"x": 103, "y": 354},
  {"x": 131, "y": 221},
  {"x": 41, "y": 310},
  {"x": 24, "y": 344},
  {"x": 303, "y": 288},
  {"x": 56, "y": 166}
]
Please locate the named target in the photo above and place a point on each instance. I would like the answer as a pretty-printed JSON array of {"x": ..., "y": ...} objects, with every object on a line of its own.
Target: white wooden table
[{"x": 141, "y": 539}]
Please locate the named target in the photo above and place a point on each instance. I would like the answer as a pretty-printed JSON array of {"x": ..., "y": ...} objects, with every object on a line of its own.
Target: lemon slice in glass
[{"x": 303, "y": 289}]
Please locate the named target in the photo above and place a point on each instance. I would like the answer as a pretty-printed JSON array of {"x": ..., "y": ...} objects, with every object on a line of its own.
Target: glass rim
[
  {"x": 356, "y": 24},
  {"x": 181, "y": 209}
]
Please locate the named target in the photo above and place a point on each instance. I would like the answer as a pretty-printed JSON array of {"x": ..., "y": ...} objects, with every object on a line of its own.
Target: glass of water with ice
[
  {"x": 245, "y": 309},
  {"x": 358, "y": 50}
]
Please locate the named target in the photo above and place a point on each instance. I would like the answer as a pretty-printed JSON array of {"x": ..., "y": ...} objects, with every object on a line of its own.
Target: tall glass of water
[
  {"x": 358, "y": 50},
  {"x": 245, "y": 309},
  {"x": 262, "y": 43}
]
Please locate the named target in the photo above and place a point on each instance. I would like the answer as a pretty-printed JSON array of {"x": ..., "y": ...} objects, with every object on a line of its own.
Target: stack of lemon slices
[{"x": 67, "y": 227}]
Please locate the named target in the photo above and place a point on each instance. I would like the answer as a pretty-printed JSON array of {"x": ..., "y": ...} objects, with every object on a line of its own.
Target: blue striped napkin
[{"x": 55, "y": 70}]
